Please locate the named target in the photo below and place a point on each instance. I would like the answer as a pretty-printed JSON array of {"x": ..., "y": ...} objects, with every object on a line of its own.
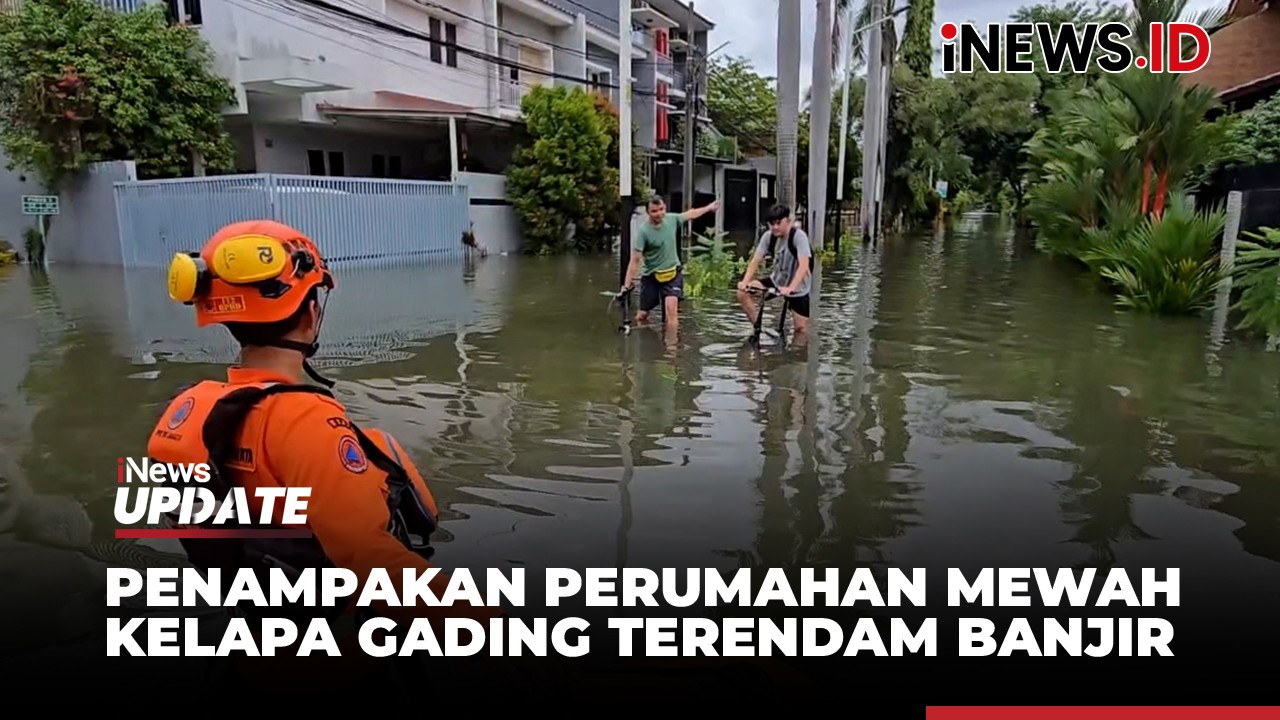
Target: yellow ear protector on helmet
[
  {"x": 241, "y": 260},
  {"x": 188, "y": 277}
]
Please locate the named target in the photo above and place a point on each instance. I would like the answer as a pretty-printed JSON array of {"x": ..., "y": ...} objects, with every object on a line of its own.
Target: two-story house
[
  {"x": 674, "y": 40},
  {"x": 381, "y": 88},
  {"x": 399, "y": 87}
]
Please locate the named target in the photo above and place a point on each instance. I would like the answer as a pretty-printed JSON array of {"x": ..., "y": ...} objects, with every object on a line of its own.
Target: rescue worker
[{"x": 264, "y": 427}]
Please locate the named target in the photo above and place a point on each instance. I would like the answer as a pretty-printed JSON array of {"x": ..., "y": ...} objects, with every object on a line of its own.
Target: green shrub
[
  {"x": 33, "y": 243},
  {"x": 562, "y": 176},
  {"x": 1257, "y": 274},
  {"x": 81, "y": 83},
  {"x": 713, "y": 266},
  {"x": 1165, "y": 265}
]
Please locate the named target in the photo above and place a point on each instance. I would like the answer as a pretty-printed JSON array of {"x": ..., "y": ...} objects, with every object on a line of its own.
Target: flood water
[{"x": 965, "y": 400}]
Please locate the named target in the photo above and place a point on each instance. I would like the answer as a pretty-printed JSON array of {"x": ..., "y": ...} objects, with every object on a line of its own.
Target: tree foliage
[
  {"x": 1056, "y": 88},
  {"x": 640, "y": 187},
  {"x": 1252, "y": 137},
  {"x": 742, "y": 103},
  {"x": 561, "y": 178},
  {"x": 80, "y": 83},
  {"x": 917, "y": 38},
  {"x": 853, "y": 153},
  {"x": 996, "y": 119}
]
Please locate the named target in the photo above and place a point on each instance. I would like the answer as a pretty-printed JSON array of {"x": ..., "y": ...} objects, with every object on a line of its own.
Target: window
[
  {"x": 510, "y": 87},
  {"x": 662, "y": 132},
  {"x": 444, "y": 42},
  {"x": 335, "y": 166},
  {"x": 315, "y": 162},
  {"x": 661, "y": 42},
  {"x": 386, "y": 166},
  {"x": 184, "y": 11},
  {"x": 599, "y": 80}
]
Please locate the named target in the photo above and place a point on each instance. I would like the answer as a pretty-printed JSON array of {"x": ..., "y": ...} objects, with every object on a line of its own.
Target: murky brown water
[{"x": 966, "y": 400}]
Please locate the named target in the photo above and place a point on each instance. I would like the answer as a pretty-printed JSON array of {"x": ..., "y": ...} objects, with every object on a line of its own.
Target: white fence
[{"x": 370, "y": 219}]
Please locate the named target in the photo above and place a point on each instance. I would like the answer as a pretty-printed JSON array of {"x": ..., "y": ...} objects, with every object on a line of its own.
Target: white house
[
  {"x": 372, "y": 87},
  {"x": 419, "y": 89}
]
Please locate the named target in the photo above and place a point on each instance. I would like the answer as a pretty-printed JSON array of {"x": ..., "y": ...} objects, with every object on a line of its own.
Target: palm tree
[
  {"x": 1168, "y": 113},
  {"x": 820, "y": 123},
  {"x": 788, "y": 98},
  {"x": 861, "y": 19}
]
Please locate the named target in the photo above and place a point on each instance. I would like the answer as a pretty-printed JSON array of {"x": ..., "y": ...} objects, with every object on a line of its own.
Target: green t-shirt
[{"x": 658, "y": 243}]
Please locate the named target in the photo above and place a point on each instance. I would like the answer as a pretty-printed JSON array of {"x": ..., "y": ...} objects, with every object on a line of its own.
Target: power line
[
  {"x": 329, "y": 23},
  {"x": 322, "y": 16},
  {"x": 479, "y": 21},
  {"x": 592, "y": 10},
  {"x": 472, "y": 52}
]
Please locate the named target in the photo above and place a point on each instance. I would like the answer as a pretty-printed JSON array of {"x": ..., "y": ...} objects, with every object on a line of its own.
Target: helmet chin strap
[{"x": 307, "y": 350}]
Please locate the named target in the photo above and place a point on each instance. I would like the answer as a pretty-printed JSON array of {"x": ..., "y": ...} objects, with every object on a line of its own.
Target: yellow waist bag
[{"x": 665, "y": 275}]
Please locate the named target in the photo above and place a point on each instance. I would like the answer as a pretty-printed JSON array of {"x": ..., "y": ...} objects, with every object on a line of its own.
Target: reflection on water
[{"x": 963, "y": 401}]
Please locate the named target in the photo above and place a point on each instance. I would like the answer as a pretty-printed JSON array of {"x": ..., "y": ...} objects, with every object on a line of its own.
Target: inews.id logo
[{"x": 1071, "y": 47}]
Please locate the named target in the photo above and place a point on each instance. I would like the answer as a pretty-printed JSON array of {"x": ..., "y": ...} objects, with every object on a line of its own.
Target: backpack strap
[
  {"x": 411, "y": 521},
  {"x": 227, "y": 417}
]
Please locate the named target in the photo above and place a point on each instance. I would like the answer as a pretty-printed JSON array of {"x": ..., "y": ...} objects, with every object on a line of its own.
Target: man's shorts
[
  {"x": 652, "y": 291},
  {"x": 797, "y": 304}
]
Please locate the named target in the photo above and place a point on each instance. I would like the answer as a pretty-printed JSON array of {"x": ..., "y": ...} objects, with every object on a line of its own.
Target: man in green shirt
[{"x": 661, "y": 279}]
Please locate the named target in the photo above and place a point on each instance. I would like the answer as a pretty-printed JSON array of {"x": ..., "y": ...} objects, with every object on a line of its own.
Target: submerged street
[{"x": 967, "y": 402}]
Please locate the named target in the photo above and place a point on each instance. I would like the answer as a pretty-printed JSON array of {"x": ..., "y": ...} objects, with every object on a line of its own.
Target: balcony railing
[
  {"x": 511, "y": 92},
  {"x": 677, "y": 75},
  {"x": 664, "y": 66}
]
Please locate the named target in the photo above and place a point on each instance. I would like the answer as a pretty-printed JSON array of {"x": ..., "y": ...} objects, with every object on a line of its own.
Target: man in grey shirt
[{"x": 792, "y": 259}]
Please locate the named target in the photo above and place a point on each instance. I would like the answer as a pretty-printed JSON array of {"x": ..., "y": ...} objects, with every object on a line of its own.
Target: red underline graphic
[
  {"x": 209, "y": 533},
  {"x": 1102, "y": 713}
]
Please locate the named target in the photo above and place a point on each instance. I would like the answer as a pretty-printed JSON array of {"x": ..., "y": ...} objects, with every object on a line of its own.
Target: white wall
[
  {"x": 518, "y": 23},
  {"x": 704, "y": 179},
  {"x": 364, "y": 57},
  {"x": 283, "y": 149},
  {"x": 496, "y": 227}
]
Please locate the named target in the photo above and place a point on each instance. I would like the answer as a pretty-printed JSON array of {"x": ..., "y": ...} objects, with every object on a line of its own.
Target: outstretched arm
[{"x": 696, "y": 213}]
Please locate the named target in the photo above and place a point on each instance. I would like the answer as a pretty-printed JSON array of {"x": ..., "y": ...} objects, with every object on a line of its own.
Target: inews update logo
[
  {"x": 149, "y": 492},
  {"x": 1007, "y": 47}
]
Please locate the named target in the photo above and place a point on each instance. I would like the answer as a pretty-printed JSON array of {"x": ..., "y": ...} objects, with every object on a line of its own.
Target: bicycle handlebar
[{"x": 766, "y": 292}]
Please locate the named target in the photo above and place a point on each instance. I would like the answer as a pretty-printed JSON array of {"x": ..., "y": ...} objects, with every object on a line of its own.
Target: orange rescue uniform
[{"x": 304, "y": 439}]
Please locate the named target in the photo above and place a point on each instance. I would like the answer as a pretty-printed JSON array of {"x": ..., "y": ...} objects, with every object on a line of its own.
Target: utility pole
[
  {"x": 691, "y": 67},
  {"x": 871, "y": 115},
  {"x": 820, "y": 126},
  {"x": 867, "y": 120},
  {"x": 788, "y": 98},
  {"x": 846, "y": 55},
  {"x": 882, "y": 138},
  {"x": 624, "y": 138}
]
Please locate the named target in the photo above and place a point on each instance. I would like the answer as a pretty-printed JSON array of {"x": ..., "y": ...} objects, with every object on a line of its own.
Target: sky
[{"x": 749, "y": 25}]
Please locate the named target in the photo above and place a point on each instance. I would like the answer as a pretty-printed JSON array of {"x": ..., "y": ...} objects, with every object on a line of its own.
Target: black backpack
[{"x": 791, "y": 245}]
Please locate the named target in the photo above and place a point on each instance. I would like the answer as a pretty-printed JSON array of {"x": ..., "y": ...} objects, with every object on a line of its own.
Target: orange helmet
[{"x": 257, "y": 271}]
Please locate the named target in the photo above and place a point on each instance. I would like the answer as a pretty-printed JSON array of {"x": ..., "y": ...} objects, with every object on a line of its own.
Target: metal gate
[
  {"x": 350, "y": 218},
  {"x": 740, "y": 206}
]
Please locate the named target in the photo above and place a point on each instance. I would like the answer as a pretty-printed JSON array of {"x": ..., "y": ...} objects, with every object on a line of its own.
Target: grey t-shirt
[{"x": 784, "y": 263}]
